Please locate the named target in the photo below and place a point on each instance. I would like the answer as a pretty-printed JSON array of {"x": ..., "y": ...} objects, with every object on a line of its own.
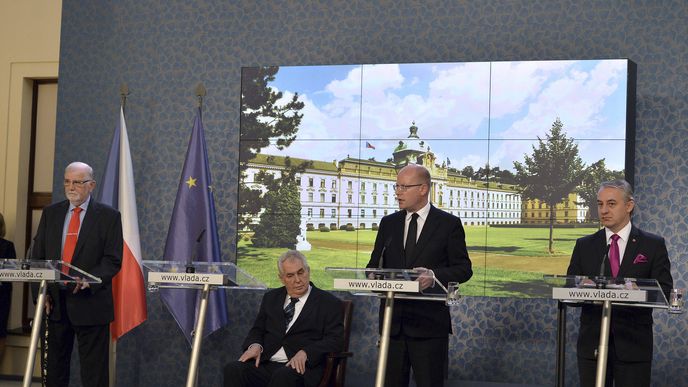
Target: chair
[{"x": 335, "y": 366}]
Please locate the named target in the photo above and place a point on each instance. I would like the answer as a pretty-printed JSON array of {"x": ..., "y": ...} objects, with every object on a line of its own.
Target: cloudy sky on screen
[{"x": 469, "y": 113}]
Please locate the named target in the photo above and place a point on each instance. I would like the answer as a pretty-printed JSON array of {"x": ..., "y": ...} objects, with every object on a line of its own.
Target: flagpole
[{"x": 123, "y": 93}]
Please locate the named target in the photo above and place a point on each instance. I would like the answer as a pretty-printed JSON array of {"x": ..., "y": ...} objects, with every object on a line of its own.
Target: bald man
[
  {"x": 419, "y": 338},
  {"x": 89, "y": 236}
]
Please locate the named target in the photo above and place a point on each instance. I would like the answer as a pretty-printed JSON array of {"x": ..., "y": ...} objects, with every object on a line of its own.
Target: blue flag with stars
[{"x": 193, "y": 233}]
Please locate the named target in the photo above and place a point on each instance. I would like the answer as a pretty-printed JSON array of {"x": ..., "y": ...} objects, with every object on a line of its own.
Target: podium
[
  {"x": 43, "y": 272},
  {"x": 605, "y": 291},
  {"x": 204, "y": 276},
  {"x": 389, "y": 284}
]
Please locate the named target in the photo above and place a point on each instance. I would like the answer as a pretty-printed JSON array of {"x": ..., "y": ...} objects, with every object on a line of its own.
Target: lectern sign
[
  {"x": 621, "y": 295},
  {"x": 376, "y": 285},
  {"x": 27, "y": 275}
]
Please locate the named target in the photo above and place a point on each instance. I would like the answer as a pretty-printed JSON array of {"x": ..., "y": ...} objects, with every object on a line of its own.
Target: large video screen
[{"x": 515, "y": 149}]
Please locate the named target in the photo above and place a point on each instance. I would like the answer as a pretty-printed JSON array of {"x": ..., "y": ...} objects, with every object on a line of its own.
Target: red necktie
[
  {"x": 70, "y": 240},
  {"x": 614, "y": 255}
]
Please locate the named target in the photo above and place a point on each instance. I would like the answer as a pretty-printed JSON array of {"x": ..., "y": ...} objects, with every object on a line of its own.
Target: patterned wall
[{"x": 162, "y": 49}]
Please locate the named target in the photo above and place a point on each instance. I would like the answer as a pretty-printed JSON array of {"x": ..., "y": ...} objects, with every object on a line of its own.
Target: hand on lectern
[{"x": 426, "y": 279}]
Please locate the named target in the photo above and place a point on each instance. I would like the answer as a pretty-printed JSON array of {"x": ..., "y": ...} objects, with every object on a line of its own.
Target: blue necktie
[{"x": 289, "y": 310}]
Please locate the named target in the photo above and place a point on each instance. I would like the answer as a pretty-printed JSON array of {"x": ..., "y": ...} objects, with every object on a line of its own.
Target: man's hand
[
  {"x": 298, "y": 362},
  {"x": 252, "y": 352},
  {"x": 80, "y": 285},
  {"x": 48, "y": 305},
  {"x": 425, "y": 280}
]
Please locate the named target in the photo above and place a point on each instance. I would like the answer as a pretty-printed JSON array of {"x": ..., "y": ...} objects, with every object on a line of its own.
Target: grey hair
[
  {"x": 292, "y": 254},
  {"x": 621, "y": 184},
  {"x": 80, "y": 166}
]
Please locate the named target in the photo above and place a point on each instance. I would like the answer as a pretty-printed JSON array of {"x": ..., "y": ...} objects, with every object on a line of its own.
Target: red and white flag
[{"x": 128, "y": 287}]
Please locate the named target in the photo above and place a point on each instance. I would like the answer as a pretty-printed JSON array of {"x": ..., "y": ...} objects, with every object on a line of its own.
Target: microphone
[
  {"x": 194, "y": 253},
  {"x": 381, "y": 261},
  {"x": 25, "y": 265},
  {"x": 605, "y": 258}
]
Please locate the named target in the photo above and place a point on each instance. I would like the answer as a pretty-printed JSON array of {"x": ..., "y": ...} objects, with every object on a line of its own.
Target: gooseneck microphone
[
  {"x": 381, "y": 261},
  {"x": 194, "y": 254},
  {"x": 600, "y": 277}
]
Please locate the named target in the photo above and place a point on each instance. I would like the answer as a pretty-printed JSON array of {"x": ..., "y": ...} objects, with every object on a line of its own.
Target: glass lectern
[
  {"x": 390, "y": 284},
  {"x": 15, "y": 270},
  {"x": 206, "y": 276},
  {"x": 605, "y": 291}
]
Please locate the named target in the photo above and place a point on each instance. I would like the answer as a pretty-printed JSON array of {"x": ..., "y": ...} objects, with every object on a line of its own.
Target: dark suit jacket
[
  {"x": 6, "y": 251},
  {"x": 98, "y": 252},
  {"x": 319, "y": 329},
  {"x": 441, "y": 247},
  {"x": 631, "y": 327}
]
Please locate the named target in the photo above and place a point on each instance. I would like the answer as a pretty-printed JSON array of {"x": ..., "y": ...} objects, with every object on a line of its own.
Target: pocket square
[{"x": 639, "y": 259}]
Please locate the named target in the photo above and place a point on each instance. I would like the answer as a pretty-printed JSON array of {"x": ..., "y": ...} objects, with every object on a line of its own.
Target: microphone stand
[
  {"x": 600, "y": 280},
  {"x": 194, "y": 254}
]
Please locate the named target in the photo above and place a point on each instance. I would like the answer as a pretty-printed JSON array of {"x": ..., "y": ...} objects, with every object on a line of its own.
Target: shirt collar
[
  {"x": 422, "y": 213},
  {"x": 84, "y": 205},
  {"x": 624, "y": 233}
]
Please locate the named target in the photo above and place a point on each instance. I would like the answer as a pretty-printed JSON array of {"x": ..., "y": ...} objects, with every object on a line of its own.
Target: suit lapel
[
  {"x": 397, "y": 260},
  {"x": 57, "y": 227},
  {"x": 600, "y": 249},
  {"x": 307, "y": 310},
  {"x": 631, "y": 251}
]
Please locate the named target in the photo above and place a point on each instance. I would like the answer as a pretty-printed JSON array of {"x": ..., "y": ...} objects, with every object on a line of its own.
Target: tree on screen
[
  {"x": 265, "y": 119},
  {"x": 551, "y": 173},
  {"x": 596, "y": 174}
]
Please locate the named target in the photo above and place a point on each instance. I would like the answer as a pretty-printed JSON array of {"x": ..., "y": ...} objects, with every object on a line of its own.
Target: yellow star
[{"x": 191, "y": 182}]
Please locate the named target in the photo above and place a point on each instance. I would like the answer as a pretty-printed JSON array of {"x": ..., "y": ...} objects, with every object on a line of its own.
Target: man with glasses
[
  {"x": 87, "y": 235},
  {"x": 423, "y": 237}
]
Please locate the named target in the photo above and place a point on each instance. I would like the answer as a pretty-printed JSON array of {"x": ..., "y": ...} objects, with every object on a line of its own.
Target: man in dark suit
[
  {"x": 6, "y": 251},
  {"x": 420, "y": 329},
  {"x": 88, "y": 235},
  {"x": 296, "y": 326},
  {"x": 633, "y": 253}
]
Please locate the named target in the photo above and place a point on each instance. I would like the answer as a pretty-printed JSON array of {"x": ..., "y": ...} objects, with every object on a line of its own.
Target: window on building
[
  {"x": 362, "y": 212},
  {"x": 349, "y": 198},
  {"x": 322, "y": 212},
  {"x": 298, "y": 181},
  {"x": 348, "y": 213},
  {"x": 363, "y": 186},
  {"x": 322, "y": 183},
  {"x": 334, "y": 198},
  {"x": 374, "y": 199},
  {"x": 349, "y": 185},
  {"x": 333, "y": 213},
  {"x": 374, "y": 187},
  {"x": 322, "y": 197},
  {"x": 310, "y": 212},
  {"x": 310, "y": 196},
  {"x": 362, "y": 199},
  {"x": 386, "y": 200},
  {"x": 334, "y": 184},
  {"x": 310, "y": 181}
]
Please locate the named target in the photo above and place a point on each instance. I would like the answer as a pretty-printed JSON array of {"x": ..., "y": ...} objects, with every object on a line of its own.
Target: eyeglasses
[
  {"x": 404, "y": 187},
  {"x": 78, "y": 183}
]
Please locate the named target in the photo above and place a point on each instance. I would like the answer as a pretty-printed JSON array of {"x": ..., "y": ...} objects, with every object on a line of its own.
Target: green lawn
[{"x": 511, "y": 265}]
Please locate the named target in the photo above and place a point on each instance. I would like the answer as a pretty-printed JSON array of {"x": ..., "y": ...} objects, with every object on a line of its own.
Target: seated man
[{"x": 297, "y": 325}]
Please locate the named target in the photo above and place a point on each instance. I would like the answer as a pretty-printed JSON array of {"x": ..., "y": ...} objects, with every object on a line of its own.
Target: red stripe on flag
[{"x": 129, "y": 296}]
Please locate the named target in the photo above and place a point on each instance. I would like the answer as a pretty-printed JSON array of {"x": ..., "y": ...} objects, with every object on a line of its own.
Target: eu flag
[{"x": 193, "y": 232}]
